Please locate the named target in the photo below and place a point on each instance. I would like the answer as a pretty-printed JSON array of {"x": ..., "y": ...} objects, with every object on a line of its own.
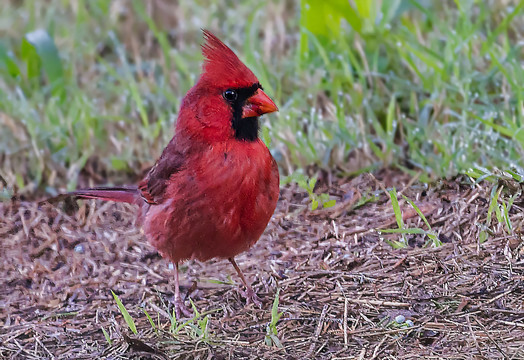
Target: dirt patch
[{"x": 344, "y": 291}]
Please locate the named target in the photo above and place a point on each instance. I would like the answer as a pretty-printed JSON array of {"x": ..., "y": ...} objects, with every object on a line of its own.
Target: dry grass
[{"x": 341, "y": 285}]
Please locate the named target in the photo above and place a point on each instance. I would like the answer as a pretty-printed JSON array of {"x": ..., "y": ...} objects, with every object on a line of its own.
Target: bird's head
[{"x": 227, "y": 100}]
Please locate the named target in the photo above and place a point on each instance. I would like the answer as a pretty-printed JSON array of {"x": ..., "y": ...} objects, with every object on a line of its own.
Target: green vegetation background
[{"x": 430, "y": 87}]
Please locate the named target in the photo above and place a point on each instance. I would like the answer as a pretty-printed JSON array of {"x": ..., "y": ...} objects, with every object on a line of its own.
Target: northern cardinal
[{"x": 215, "y": 187}]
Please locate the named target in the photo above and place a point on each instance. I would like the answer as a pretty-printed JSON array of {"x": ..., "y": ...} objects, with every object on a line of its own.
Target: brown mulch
[{"x": 344, "y": 291}]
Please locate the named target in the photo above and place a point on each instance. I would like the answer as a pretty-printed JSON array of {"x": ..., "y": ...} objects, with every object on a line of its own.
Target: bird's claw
[
  {"x": 181, "y": 310},
  {"x": 252, "y": 298}
]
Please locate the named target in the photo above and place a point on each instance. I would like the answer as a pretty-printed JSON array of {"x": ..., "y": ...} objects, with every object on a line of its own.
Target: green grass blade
[
  {"x": 150, "y": 319},
  {"x": 418, "y": 211},
  {"x": 495, "y": 193},
  {"x": 397, "y": 244},
  {"x": 275, "y": 316},
  {"x": 106, "y": 335},
  {"x": 159, "y": 35},
  {"x": 48, "y": 56},
  {"x": 390, "y": 117},
  {"x": 7, "y": 63},
  {"x": 503, "y": 26},
  {"x": 396, "y": 208},
  {"x": 403, "y": 231},
  {"x": 129, "y": 320}
]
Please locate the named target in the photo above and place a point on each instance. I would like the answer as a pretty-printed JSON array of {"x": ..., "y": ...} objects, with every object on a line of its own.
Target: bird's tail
[{"x": 118, "y": 194}]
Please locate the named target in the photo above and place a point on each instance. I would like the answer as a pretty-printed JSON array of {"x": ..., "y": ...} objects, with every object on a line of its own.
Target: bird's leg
[
  {"x": 180, "y": 307},
  {"x": 249, "y": 294}
]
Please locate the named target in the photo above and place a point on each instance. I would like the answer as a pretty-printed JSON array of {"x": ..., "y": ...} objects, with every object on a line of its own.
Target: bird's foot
[
  {"x": 181, "y": 309},
  {"x": 252, "y": 298}
]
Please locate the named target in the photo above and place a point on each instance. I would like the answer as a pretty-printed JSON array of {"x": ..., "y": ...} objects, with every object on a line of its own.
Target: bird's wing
[{"x": 153, "y": 187}]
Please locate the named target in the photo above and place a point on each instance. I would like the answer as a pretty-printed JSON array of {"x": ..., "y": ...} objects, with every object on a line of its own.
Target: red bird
[{"x": 215, "y": 187}]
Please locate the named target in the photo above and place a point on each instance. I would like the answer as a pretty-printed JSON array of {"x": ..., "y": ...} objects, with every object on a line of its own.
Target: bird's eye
[{"x": 230, "y": 95}]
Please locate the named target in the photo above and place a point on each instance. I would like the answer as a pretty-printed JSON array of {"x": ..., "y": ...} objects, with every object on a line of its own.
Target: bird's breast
[{"x": 218, "y": 206}]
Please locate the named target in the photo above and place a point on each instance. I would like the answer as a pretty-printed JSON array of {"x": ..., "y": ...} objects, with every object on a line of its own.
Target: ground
[{"x": 344, "y": 291}]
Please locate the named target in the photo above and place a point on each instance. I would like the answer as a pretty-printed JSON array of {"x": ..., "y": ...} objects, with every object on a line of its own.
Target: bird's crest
[{"x": 221, "y": 65}]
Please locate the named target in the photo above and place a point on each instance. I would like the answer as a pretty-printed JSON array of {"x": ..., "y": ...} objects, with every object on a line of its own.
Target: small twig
[
  {"x": 517, "y": 352},
  {"x": 410, "y": 182},
  {"x": 320, "y": 348},
  {"x": 367, "y": 332},
  {"x": 379, "y": 302},
  {"x": 511, "y": 323},
  {"x": 376, "y": 352},
  {"x": 294, "y": 318},
  {"x": 317, "y": 332},
  {"x": 43, "y": 347},
  {"x": 345, "y": 323},
  {"x": 159, "y": 310},
  {"x": 380, "y": 184},
  {"x": 24, "y": 224},
  {"x": 491, "y": 339},
  {"x": 473, "y": 336},
  {"x": 500, "y": 295}
]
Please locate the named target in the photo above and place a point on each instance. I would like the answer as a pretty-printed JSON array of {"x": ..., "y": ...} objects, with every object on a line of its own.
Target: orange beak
[{"x": 258, "y": 104}]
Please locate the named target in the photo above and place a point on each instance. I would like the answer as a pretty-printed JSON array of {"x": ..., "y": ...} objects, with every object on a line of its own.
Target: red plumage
[{"x": 214, "y": 189}]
